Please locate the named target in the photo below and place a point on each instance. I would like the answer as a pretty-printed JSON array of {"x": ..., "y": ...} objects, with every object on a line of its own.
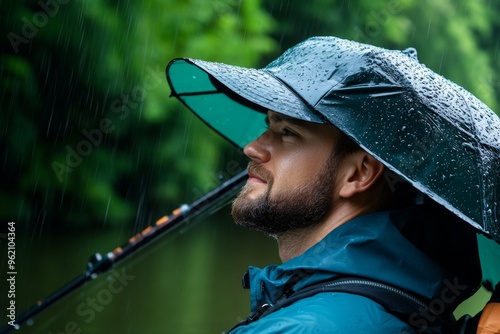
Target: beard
[{"x": 302, "y": 207}]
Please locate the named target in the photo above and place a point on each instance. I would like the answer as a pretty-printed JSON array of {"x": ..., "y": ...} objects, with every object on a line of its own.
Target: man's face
[{"x": 292, "y": 176}]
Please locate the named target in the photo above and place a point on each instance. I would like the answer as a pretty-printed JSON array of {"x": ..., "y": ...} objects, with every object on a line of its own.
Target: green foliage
[{"x": 88, "y": 133}]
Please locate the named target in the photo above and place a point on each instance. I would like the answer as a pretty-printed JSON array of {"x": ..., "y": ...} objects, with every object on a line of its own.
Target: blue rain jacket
[{"x": 369, "y": 246}]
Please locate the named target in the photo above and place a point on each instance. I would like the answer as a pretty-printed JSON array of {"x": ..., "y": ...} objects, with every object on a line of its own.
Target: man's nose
[{"x": 259, "y": 149}]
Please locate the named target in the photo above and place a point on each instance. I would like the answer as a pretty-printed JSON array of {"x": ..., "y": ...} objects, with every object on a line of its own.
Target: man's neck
[{"x": 294, "y": 243}]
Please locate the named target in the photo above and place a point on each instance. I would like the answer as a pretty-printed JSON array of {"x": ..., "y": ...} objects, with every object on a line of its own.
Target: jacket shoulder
[{"x": 329, "y": 313}]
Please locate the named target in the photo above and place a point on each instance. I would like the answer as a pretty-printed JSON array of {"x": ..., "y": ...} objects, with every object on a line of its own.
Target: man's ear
[{"x": 361, "y": 172}]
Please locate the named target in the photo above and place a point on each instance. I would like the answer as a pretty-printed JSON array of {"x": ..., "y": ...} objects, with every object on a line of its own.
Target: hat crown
[
  {"x": 329, "y": 65},
  {"x": 319, "y": 64}
]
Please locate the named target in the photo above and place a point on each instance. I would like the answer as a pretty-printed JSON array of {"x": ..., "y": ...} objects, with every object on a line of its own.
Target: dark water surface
[{"x": 186, "y": 282}]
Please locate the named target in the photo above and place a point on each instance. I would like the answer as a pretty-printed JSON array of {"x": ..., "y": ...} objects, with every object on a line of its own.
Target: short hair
[{"x": 345, "y": 145}]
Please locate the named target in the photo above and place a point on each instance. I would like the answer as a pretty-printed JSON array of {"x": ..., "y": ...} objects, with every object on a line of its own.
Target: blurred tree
[{"x": 88, "y": 133}]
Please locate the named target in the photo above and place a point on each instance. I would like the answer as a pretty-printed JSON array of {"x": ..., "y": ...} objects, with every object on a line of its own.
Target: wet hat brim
[{"x": 226, "y": 97}]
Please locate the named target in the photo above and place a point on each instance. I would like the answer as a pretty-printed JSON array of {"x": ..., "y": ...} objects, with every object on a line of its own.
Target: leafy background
[{"x": 70, "y": 68}]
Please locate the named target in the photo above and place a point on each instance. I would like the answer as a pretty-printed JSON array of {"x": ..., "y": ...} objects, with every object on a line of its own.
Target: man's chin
[
  {"x": 243, "y": 209},
  {"x": 250, "y": 195}
]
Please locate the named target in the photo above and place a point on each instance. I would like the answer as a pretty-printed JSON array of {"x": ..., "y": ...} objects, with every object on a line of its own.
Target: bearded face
[{"x": 276, "y": 211}]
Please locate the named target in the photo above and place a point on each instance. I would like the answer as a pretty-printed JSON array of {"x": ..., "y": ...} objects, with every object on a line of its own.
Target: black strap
[{"x": 411, "y": 309}]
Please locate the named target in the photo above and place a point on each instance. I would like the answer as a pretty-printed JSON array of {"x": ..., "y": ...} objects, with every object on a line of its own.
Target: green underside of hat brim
[
  {"x": 227, "y": 97},
  {"x": 237, "y": 122}
]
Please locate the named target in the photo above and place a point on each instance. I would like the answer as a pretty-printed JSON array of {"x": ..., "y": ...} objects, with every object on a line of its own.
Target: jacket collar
[{"x": 369, "y": 246}]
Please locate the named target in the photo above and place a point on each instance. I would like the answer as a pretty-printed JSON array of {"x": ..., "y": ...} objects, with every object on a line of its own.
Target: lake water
[{"x": 186, "y": 282}]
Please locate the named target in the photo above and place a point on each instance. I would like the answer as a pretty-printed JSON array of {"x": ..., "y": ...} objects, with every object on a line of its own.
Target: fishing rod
[{"x": 99, "y": 264}]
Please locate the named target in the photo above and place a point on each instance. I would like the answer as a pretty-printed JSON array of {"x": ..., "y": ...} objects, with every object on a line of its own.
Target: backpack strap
[{"x": 411, "y": 309}]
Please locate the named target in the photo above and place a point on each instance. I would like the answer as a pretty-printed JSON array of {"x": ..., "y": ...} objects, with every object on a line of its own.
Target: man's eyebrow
[{"x": 278, "y": 118}]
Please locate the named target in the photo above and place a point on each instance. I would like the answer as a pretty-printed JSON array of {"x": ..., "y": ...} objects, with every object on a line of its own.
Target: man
[
  {"x": 300, "y": 179},
  {"x": 338, "y": 176}
]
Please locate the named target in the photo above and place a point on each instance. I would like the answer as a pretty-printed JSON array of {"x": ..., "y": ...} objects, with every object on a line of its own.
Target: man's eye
[{"x": 287, "y": 132}]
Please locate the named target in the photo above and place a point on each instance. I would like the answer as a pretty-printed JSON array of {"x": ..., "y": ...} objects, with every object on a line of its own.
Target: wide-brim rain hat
[{"x": 426, "y": 129}]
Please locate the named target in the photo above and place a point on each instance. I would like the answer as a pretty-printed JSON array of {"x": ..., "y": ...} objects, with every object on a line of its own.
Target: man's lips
[
  {"x": 255, "y": 178},
  {"x": 258, "y": 174}
]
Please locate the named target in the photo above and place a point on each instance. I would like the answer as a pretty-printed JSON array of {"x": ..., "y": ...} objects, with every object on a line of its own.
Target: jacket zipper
[{"x": 379, "y": 285}]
